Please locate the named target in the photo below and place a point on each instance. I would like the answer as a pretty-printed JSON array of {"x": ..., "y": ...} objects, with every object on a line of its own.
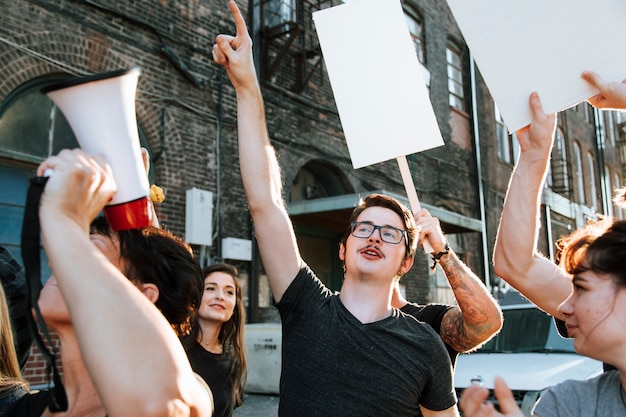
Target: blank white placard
[
  {"x": 377, "y": 83},
  {"x": 521, "y": 46}
]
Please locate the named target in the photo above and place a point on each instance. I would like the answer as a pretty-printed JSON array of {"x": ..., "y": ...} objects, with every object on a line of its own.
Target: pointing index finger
[{"x": 240, "y": 23}]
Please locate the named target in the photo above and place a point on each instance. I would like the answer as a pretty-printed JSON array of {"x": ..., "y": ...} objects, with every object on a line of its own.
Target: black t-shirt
[
  {"x": 216, "y": 370},
  {"x": 334, "y": 365},
  {"x": 10, "y": 396},
  {"x": 432, "y": 314},
  {"x": 30, "y": 405}
]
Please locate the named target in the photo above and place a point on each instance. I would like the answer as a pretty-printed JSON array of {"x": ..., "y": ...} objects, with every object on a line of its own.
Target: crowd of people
[{"x": 144, "y": 331}]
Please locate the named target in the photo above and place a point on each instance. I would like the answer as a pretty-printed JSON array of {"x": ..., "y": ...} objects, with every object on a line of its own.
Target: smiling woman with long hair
[{"x": 215, "y": 346}]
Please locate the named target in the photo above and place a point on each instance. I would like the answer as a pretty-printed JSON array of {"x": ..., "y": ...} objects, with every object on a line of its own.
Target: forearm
[
  {"x": 260, "y": 173},
  {"x": 259, "y": 166},
  {"x": 516, "y": 259},
  {"x": 518, "y": 230},
  {"x": 478, "y": 316},
  {"x": 145, "y": 369}
]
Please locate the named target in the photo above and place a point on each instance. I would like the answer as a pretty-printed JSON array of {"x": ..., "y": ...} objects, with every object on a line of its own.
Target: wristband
[{"x": 436, "y": 256}]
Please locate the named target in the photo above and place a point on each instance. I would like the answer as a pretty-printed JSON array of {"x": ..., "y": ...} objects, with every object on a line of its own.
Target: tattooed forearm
[{"x": 477, "y": 317}]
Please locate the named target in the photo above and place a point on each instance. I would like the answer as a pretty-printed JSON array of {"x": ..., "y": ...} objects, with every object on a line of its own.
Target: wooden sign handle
[{"x": 411, "y": 193}]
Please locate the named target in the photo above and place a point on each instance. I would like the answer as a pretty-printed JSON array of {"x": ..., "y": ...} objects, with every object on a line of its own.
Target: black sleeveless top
[{"x": 30, "y": 405}]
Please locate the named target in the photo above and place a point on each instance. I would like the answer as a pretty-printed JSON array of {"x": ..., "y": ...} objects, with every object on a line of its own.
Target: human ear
[
  {"x": 407, "y": 264},
  {"x": 151, "y": 291}
]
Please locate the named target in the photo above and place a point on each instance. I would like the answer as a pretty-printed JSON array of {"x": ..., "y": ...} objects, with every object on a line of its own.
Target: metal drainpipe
[
  {"x": 548, "y": 215},
  {"x": 218, "y": 160},
  {"x": 252, "y": 313},
  {"x": 600, "y": 146},
  {"x": 481, "y": 195}
]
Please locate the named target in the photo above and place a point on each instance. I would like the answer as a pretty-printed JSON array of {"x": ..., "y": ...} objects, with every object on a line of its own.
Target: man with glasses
[
  {"x": 348, "y": 353},
  {"x": 462, "y": 328}
]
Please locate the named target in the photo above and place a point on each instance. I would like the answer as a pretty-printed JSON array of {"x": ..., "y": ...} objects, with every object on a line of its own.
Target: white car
[{"x": 528, "y": 354}]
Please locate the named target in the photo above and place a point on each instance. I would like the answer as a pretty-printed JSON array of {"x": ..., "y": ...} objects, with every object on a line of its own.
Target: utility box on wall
[
  {"x": 264, "y": 350},
  {"x": 199, "y": 217},
  {"x": 237, "y": 249}
]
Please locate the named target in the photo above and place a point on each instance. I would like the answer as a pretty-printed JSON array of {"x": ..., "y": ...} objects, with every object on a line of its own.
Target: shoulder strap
[{"x": 32, "y": 265}]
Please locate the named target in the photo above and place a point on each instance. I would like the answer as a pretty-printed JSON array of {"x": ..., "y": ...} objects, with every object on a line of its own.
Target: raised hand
[
  {"x": 612, "y": 94},
  {"x": 473, "y": 402},
  {"x": 234, "y": 53},
  {"x": 537, "y": 136},
  {"x": 430, "y": 230},
  {"x": 79, "y": 188}
]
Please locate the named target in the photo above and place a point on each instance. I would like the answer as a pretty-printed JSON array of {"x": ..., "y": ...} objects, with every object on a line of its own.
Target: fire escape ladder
[
  {"x": 289, "y": 32},
  {"x": 560, "y": 177},
  {"x": 283, "y": 37}
]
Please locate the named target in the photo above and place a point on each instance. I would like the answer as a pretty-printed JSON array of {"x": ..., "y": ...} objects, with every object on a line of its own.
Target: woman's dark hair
[
  {"x": 599, "y": 247},
  {"x": 381, "y": 200},
  {"x": 156, "y": 256},
  {"x": 231, "y": 334}
]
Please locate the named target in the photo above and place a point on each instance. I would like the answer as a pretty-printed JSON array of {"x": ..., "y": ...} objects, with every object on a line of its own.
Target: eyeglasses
[{"x": 388, "y": 234}]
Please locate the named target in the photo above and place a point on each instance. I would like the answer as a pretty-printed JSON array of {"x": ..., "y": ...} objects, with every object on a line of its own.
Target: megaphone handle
[{"x": 409, "y": 186}]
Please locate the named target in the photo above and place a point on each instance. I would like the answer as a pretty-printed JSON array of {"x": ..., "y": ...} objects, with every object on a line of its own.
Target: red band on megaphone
[{"x": 131, "y": 215}]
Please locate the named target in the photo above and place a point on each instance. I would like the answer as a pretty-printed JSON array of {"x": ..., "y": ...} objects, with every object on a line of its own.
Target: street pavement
[{"x": 258, "y": 405}]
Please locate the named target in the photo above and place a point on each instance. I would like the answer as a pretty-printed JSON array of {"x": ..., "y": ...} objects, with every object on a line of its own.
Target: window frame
[
  {"x": 456, "y": 81},
  {"x": 411, "y": 15}
]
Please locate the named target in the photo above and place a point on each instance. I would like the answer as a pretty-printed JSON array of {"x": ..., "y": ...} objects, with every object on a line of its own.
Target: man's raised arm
[
  {"x": 477, "y": 317},
  {"x": 260, "y": 171}
]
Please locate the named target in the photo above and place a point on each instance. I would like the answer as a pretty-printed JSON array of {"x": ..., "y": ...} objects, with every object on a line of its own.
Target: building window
[
  {"x": 578, "y": 172},
  {"x": 456, "y": 97},
  {"x": 593, "y": 200},
  {"x": 32, "y": 127},
  {"x": 416, "y": 29},
  {"x": 415, "y": 24},
  {"x": 609, "y": 127},
  {"x": 277, "y": 12},
  {"x": 508, "y": 147},
  {"x": 585, "y": 111},
  {"x": 619, "y": 121},
  {"x": 560, "y": 177},
  {"x": 548, "y": 182},
  {"x": 619, "y": 117}
]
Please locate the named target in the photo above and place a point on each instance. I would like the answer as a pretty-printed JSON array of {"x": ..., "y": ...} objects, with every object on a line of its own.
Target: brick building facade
[{"x": 186, "y": 111}]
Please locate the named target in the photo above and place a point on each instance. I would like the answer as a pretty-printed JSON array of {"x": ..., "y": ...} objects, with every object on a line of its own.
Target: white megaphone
[{"x": 101, "y": 111}]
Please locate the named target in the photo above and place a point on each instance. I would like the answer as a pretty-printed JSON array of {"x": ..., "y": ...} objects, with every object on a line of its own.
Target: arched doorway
[{"x": 318, "y": 238}]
